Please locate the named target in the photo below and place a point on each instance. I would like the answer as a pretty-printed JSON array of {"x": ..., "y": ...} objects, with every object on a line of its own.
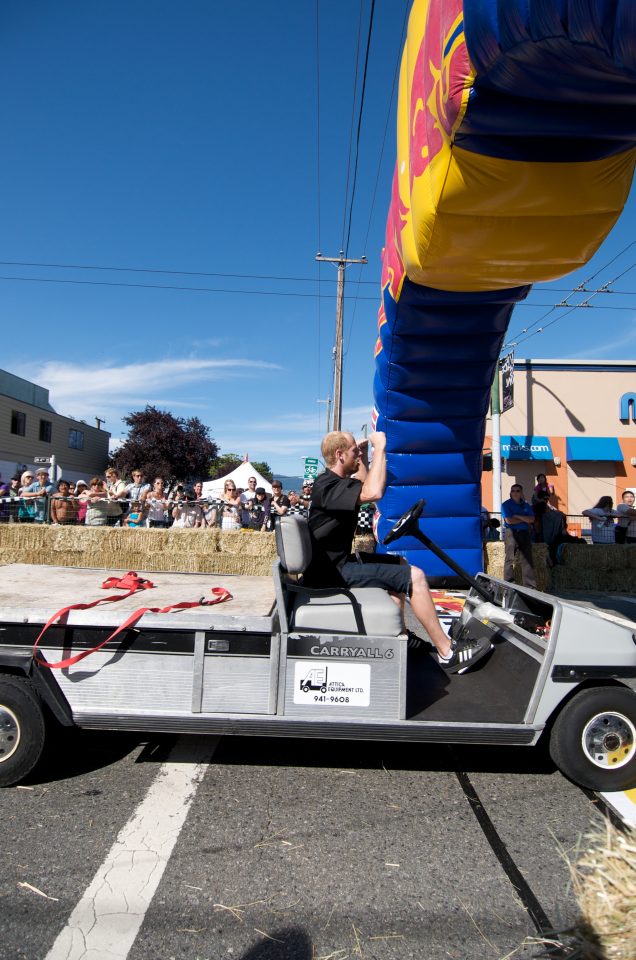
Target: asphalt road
[{"x": 295, "y": 849}]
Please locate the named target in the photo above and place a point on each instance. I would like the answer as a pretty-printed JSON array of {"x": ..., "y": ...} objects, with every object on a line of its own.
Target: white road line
[
  {"x": 624, "y": 804},
  {"x": 107, "y": 919}
]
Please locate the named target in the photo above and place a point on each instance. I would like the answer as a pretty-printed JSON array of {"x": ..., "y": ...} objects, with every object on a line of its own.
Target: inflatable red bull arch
[{"x": 516, "y": 136}]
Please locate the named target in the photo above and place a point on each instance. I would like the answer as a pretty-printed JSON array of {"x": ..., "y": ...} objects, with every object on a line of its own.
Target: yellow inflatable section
[{"x": 468, "y": 221}]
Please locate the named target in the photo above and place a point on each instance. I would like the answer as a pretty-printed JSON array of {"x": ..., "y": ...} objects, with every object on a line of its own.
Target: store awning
[
  {"x": 526, "y": 448},
  {"x": 593, "y": 448}
]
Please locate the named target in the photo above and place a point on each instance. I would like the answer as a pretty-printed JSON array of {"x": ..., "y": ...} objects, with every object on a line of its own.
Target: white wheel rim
[
  {"x": 609, "y": 740},
  {"x": 9, "y": 733}
]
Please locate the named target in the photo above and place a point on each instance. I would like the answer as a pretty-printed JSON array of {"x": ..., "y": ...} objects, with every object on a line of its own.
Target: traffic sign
[{"x": 311, "y": 468}]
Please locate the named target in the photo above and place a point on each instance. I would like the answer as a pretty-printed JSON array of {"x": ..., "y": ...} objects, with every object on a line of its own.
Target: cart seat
[{"x": 361, "y": 610}]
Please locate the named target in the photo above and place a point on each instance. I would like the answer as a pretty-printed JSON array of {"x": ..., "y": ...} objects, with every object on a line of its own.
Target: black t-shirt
[
  {"x": 333, "y": 517},
  {"x": 282, "y": 501}
]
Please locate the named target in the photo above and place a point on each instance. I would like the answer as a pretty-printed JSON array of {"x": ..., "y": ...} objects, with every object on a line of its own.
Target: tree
[
  {"x": 165, "y": 446},
  {"x": 226, "y": 462},
  {"x": 222, "y": 464},
  {"x": 264, "y": 469}
]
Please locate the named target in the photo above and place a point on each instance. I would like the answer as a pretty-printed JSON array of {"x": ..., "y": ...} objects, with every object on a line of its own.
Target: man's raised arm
[{"x": 373, "y": 477}]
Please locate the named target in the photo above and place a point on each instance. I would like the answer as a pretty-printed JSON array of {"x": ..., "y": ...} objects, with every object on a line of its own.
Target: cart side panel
[
  {"x": 586, "y": 646},
  {"x": 343, "y": 676},
  {"x": 239, "y": 673}
]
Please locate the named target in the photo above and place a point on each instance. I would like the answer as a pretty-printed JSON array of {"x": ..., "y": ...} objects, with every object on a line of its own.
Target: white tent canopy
[{"x": 240, "y": 476}]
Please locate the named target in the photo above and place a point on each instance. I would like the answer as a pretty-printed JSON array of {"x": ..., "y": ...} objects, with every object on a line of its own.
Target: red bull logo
[
  {"x": 437, "y": 84},
  {"x": 392, "y": 261},
  {"x": 447, "y": 602}
]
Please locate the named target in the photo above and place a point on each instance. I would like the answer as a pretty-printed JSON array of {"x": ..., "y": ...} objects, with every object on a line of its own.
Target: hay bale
[
  {"x": 604, "y": 883},
  {"x": 241, "y": 552},
  {"x": 592, "y": 580},
  {"x": 606, "y": 568},
  {"x": 494, "y": 563},
  {"x": 494, "y": 559},
  {"x": 601, "y": 556}
]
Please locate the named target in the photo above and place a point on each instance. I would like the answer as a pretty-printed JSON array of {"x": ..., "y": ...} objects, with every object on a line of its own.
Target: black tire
[
  {"x": 593, "y": 740},
  {"x": 22, "y": 730},
  {"x": 305, "y": 689}
]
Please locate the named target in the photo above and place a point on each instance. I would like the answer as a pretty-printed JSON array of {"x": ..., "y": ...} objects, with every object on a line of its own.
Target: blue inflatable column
[{"x": 432, "y": 390}]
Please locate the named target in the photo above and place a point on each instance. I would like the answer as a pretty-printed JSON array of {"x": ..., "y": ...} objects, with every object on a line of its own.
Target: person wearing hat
[
  {"x": 278, "y": 505},
  {"x": 82, "y": 505},
  {"x": 26, "y": 511},
  {"x": 305, "y": 496},
  {"x": 259, "y": 510},
  {"x": 39, "y": 491}
]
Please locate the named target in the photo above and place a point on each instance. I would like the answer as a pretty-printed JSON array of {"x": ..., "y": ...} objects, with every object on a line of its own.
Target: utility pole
[
  {"x": 342, "y": 263},
  {"x": 495, "y": 409}
]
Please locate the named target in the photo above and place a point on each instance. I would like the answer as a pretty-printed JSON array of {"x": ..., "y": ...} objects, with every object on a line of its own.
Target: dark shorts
[{"x": 377, "y": 570}]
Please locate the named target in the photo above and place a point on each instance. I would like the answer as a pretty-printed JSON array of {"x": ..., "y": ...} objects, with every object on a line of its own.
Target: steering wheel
[{"x": 406, "y": 524}]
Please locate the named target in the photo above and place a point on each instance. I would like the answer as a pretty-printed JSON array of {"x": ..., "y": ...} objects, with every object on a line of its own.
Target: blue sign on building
[
  {"x": 628, "y": 407},
  {"x": 526, "y": 448}
]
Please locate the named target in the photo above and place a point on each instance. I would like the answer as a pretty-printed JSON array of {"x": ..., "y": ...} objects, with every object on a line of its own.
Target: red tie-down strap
[{"x": 131, "y": 583}]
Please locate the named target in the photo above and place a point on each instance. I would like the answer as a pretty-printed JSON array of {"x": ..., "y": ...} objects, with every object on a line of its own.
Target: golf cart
[{"x": 280, "y": 659}]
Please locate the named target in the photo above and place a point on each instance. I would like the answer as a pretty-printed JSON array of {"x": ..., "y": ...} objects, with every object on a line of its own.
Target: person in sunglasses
[
  {"x": 305, "y": 495},
  {"x": 518, "y": 517},
  {"x": 247, "y": 498},
  {"x": 230, "y": 507}
]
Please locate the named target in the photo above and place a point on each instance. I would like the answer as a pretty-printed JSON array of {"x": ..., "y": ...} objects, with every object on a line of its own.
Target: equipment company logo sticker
[{"x": 333, "y": 684}]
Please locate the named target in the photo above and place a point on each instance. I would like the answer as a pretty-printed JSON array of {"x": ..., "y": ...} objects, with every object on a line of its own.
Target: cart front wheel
[
  {"x": 593, "y": 741},
  {"x": 21, "y": 730}
]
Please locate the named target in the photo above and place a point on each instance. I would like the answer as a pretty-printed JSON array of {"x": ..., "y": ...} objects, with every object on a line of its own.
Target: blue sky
[{"x": 157, "y": 136}]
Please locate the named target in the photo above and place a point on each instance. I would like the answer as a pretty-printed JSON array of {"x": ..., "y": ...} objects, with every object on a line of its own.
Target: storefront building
[
  {"x": 32, "y": 433},
  {"x": 575, "y": 421}
]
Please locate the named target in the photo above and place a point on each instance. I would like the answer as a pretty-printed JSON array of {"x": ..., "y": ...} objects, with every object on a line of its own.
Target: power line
[
  {"x": 258, "y": 293},
  {"x": 156, "y": 270},
  {"x": 360, "y": 112},
  {"x": 543, "y": 288},
  {"x": 584, "y": 304},
  {"x": 318, "y": 199},
  {"x": 353, "y": 110},
  {"x": 396, "y": 73},
  {"x": 166, "y": 286},
  {"x": 318, "y": 114},
  {"x": 579, "y": 289}
]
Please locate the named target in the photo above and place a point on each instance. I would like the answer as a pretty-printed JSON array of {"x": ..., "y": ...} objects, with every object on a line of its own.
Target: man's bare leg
[{"x": 424, "y": 609}]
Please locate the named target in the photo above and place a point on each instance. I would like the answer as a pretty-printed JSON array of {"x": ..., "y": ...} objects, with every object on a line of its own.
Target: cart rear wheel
[
  {"x": 22, "y": 730},
  {"x": 593, "y": 741}
]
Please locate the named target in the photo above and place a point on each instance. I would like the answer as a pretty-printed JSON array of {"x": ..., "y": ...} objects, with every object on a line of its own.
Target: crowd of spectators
[
  {"x": 109, "y": 500},
  {"x": 611, "y": 525},
  {"x": 540, "y": 521},
  {"x": 547, "y": 524}
]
